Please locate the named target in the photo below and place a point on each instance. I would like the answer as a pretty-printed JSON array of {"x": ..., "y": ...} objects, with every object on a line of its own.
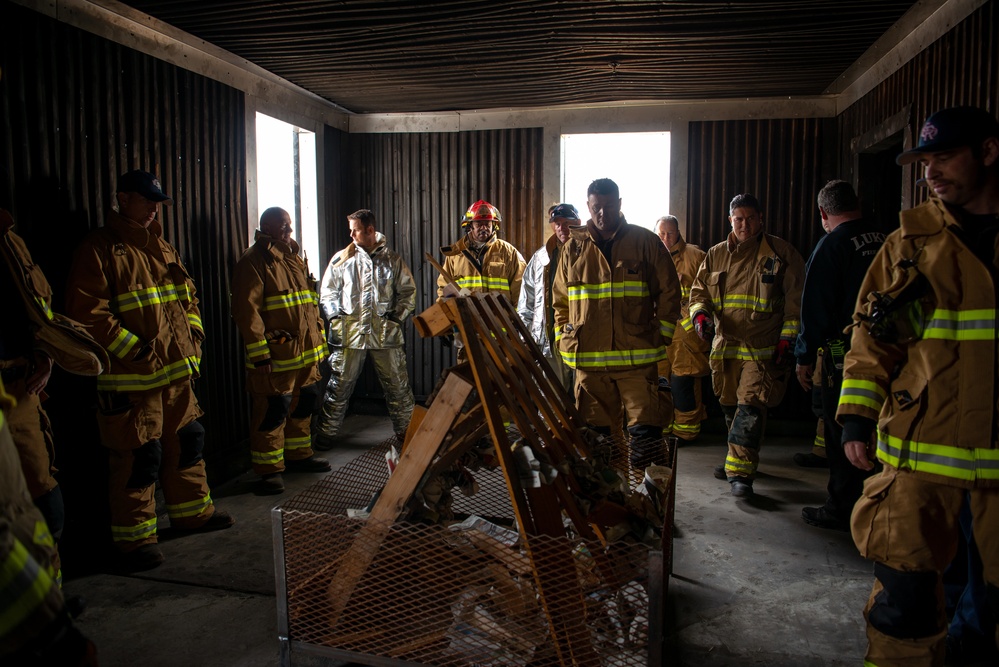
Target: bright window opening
[
  {"x": 637, "y": 161},
  {"x": 286, "y": 177}
]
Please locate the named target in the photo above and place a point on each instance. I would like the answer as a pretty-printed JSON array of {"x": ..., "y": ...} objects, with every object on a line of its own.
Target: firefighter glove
[
  {"x": 782, "y": 352},
  {"x": 704, "y": 327}
]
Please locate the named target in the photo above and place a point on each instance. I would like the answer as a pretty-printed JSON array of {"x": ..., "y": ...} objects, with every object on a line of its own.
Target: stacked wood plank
[{"x": 506, "y": 388}]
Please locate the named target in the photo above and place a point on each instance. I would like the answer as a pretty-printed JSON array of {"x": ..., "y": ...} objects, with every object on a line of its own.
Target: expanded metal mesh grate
[{"x": 475, "y": 595}]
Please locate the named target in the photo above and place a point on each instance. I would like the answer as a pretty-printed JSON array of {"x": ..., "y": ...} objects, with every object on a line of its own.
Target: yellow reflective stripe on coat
[
  {"x": 611, "y": 290},
  {"x": 42, "y": 536},
  {"x": 24, "y": 585},
  {"x": 194, "y": 320},
  {"x": 599, "y": 360},
  {"x": 687, "y": 324},
  {"x": 143, "y": 382},
  {"x": 962, "y": 324},
  {"x": 743, "y": 353},
  {"x": 746, "y": 302},
  {"x": 480, "y": 283},
  {"x": 303, "y": 442},
  {"x": 790, "y": 329},
  {"x": 190, "y": 508},
  {"x": 267, "y": 458},
  {"x": 123, "y": 343},
  {"x": 945, "y": 460},
  {"x": 257, "y": 351},
  {"x": 862, "y": 392},
  {"x": 142, "y": 298},
  {"x": 303, "y": 360},
  {"x": 135, "y": 533},
  {"x": 667, "y": 329},
  {"x": 684, "y": 292},
  {"x": 43, "y": 304},
  {"x": 283, "y": 301}
]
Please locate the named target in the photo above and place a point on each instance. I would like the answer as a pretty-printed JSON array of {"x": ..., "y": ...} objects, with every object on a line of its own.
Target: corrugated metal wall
[
  {"x": 75, "y": 112},
  {"x": 778, "y": 161},
  {"x": 419, "y": 186},
  {"x": 962, "y": 67}
]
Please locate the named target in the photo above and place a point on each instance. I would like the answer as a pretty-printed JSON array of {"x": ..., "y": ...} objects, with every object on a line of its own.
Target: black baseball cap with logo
[
  {"x": 567, "y": 211},
  {"x": 144, "y": 183},
  {"x": 952, "y": 128}
]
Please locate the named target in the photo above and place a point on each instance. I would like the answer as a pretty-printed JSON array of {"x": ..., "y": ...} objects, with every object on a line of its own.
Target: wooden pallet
[{"x": 509, "y": 381}]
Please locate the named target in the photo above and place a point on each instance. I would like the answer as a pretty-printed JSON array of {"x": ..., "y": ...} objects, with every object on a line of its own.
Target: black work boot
[
  {"x": 311, "y": 464},
  {"x": 269, "y": 485},
  {"x": 821, "y": 517},
  {"x": 140, "y": 559}
]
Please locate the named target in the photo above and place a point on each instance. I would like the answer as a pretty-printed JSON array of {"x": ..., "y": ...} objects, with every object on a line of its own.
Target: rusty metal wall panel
[
  {"x": 75, "y": 112},
  {"x": 962, "y": 67},
  {"x": 778, "y": 161},
  {"x": 419, "y": 186}
]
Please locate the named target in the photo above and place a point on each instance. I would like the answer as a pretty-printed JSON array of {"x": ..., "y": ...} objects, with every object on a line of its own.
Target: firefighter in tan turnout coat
[
  {"x": 617, "y": 300},
  {"x": 276, "y": 309},
  {"x": 687, "y": 356},
  {"x": 923, "y": 373},
  {"x": 129, "y": 288},
  {"x": 480, "y": 261},
  {"x": 746, "y": 299}
]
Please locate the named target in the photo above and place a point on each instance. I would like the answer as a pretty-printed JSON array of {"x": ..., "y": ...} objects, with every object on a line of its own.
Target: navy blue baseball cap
[
  {"x": 144, "y": 183},
  {"x": 567, "y": 211},
  {"x": 952, "y": 128}
]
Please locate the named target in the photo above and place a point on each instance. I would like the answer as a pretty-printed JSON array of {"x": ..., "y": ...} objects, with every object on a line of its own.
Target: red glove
[
  {"x": 704, "y": 327},
  {"x": 783, "y": 351}
]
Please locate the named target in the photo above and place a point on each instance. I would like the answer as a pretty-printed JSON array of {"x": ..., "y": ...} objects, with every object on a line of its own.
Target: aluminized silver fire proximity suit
[
  {"x": 535, "y": 307},
  {"x": 367, "y": 297}
]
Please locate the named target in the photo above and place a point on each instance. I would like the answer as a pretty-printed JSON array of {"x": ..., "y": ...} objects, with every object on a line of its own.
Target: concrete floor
[{"x": 752, "y": 584}]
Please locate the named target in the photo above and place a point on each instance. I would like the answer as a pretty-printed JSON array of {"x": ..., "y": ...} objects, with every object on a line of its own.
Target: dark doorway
[{"x": 879, "y": 182}]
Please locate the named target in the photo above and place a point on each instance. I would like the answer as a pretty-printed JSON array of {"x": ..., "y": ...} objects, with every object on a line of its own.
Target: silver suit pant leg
[
  {"x": 346, "y": 364},
  {"x": 390, "y": 364}
]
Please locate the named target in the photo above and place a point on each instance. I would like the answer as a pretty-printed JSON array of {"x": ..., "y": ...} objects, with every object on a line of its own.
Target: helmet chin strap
[{"x": 478, "y": 245}]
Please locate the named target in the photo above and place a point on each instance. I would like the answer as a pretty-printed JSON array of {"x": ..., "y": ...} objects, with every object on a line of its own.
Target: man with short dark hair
[
  {"x": 367, "y": 293},
  {"x": 745, "y": 299},
  {"x": 833, "y": 275},
  {"x": 617, "y": 299},
  {"x": 924, "y": 372},
  {"x": 130, "y": 289},
  {"x": 276, "y": 309},
  {"x": 535, "y": 303},
  {"x": 687, "y": 360}
]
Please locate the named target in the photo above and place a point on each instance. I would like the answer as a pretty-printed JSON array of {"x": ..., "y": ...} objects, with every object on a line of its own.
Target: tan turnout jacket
[
  {"x": 933, "y": 391},
  {"x": 502, "y": 269},
  {"x": 617, "y": 315},
  {"x": 753, "y": 291},
  {"x": 129, "y": 288},
  {"x": 688, "y": 355},
  {"x": 276, "y": 308}
]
